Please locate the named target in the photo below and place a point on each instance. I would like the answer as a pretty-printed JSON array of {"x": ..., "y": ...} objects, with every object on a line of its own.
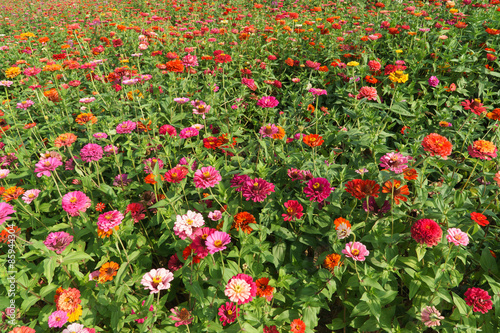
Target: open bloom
[
  {"x": 431, "y": 316},
  {"x": 426, "y": 231},
  {"x": 30, "y": 195},
  {"x": 356, "y": 250},
  {"x": 269, "y": 130},
  {"x": 297, "y": 326},
  {"x": 206, "y": 177},
  {"x": 475, "y": 106},
  {"x": 46, "y": 165},
  {"x": 75, "y": 203},
  {"x": 217, "y": 241},
  {"x": 182, "y": 317},
  {"x": 157, "y": 279},
  {"x": 437, "y": 145},
  {"x": 433, "y": 81},
  {"x": 370, "y": 93},
  {"x": 318, "y": 189},
  {"x": 91, "y": 152},
  {"x": 5, "y": 211},
  {"x": 257, "y": 189},
  {"x": 228, "y": 313},
  {"x": 109, "y": 220},
  {"x": 58, "y": 241},
  {"x": 293, "y": 210},
  {"x": 457, "y": 237},
  {"x": 241, "y": 289},
  {"x": 361, "y": 188},
  {"x": 268, "y": 102},
  {"x": 184, "y": 224},
  {"x": 396, "y": 162},
  {"x": 478, "y": 299},
  {"x": 58, "y": 319},
  {"x": 126, "y": 127},
  {"x": 482, "y": 149},
  {"x": 479, "y": 219}
]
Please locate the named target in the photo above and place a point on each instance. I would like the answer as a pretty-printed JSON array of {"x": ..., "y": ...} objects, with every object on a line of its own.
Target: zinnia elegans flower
[
  {"x": 396, "y": 162},
  {"x": 293, "y": 210},
  {"x": 66, "y": 139},
  {"x": 25, "y": 104},
  {"x": 91, "y": 152},
  {"x": 174, "y": 263},
  {"x": 479, "y": 299},
  {"x": 457, "y": 237},
  {"x": 242, "y": 220},
  {"x": 398, "y": 77},
  {"x": 23, "y": 329},
  {"x": 318, "y": 189},
  {"x": 228, "y": 313},
  {"x": 168, "y": 129},
  {"x": 217, "y": 241},
  {"x": 176, "y": 175},
  {"x": 356, "y": 251},
  {"x": 75, "y": 203},
  {"x": 188, "y": 132},
  {"x": 313, "y": 140},
  {"x": 58, "y": 241},
  {"x": 494, "y": 115},
  {"x": 257, "y": 189},
  {"x": 479, "y": 219},
  {"x": 137, "y": 210},
  {"x": 475, "y": 106},
  {"x": 12, "y": 193},
  {"x": 75, "y": 328},
  {"x": 295, "y": 174},
  {"x": 268, "y": 131},
  {"x": 482, "y": 149},
  {"x": 264, "y": 289},
  {"x": 437, "y": 145},
  {"x": 184, "y": 224},
  {"x": 121, "y": 180},
  {"x": 126, "y": 127},
  {"x": 268, "y": 102},
  {"x": 370, "y": 93},
  {"x": 426, "y": 231},
  {"x": 5, "y": 211},
  {"x": 4, "y": 235},
  {"x": 317, "y": 92},
  {"x": 238, "y": 182},
  {"x": 410, "y": 174},
  {"x": 157, "y": 279},
  {"x": 182, "y": 317},
  {"x": 68, "y": 300},
  {"x": 331, "y": 261},
  {"x": 109, "y": 220},
  {"x": 46, "y": 165},
  {"x": 343, "y": 227},
  {"x": 433, "y": 81},
  {"x": 361, "y": 188},
  {"x": 241, "y": 289},
  {"x": 431, "y": 316},
  {"x": 58, "y": 319},
  {"x": 108, "y": 271},
  {"x": 206, "y": 177},
  {"x": 394, "y": 189},
  {"x": 297, "y": 326}
]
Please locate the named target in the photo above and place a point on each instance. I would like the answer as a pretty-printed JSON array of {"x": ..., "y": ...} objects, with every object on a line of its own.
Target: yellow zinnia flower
[
  {"x": 352, "y": 63},
  {"x": 12, "y": 72},
  {"x": 398, "y": 77}
]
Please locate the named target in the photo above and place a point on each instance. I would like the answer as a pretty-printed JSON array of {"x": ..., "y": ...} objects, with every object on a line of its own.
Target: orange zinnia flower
[
  {"x": 332, "y": 261},
  {"x": 84, "y": 118},
  {"x": 437, "y": 145},
  {"x": 396, "y": 190},
  {"x": 66, "y": 139},
  {"x": 264, "y": 289},
  {"x": 341, "y": 220},
  {"x": 108, "y": 271},
  {"x": 361, "y": 188},
  {"x": 12, "y": 193},
  {"x": 52, "y": 95},
  {"x": 280, "y": 135},
  {"x": 150, "y": 179},
  {"x": 175, "y": 66},
  {"x": 313, "y": 140},
  {"x": 495, "y": 114},
  {"x": 410, "y": 174},
  {"x": 242, "y": 220},
  {"x": 106, "y": 234}
]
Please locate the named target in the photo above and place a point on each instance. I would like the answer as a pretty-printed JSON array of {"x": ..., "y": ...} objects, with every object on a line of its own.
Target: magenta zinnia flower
[
  {"x": 126, "y": 127},
  {"x": 268, "y": 131},
  {"x": 396, "y": 162},
  {"x": 157, "y": 279},
  {"x": 356, "y": 250},
  {"x": 241, "y": 289},
  {"x": 228, "y": 313},
  {"x": 293, "y": 210},
  {"x": 58, "y": 241},
  {"x": 257, "y": 189},
  {"x": 109, "y": 220},
  {"x": 426, "y": 231},
  {"x": 168, "y": 129},
  {"x": 206, "y": 177},
  {"x": 317, "y": 91},
  {"x": 318, "y": 189},
  {"x": 75, "y": 203},
  {"x": 58, "y": 319},
  {"x": 268, "y": 102},
  {"x": 217, "y": 241},
  {"x": 46, "y": 165},
  {"x": 238, "y": 182},
  {"x": 188, "y": 132},
  {"x": 457, "y": 237},
  {"x": 431, "y": 316},
  {"x": 433, "y": 81},
  {"x": 91, "y": 152},
  {"x": 5, "y": 211},
  {"x": 479, "y": 299}
]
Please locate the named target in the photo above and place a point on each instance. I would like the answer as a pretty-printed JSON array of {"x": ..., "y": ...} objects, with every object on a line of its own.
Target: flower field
[{"x": 306, "y": 166}]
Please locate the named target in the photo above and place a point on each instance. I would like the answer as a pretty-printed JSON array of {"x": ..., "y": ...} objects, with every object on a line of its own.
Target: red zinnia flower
[
  {"x": 361, "y": 188},
  {"x": 410, "y": 174},
  {"x": 211, "y": 142},
  {"x": 297, "y": 326},
  {"x": 313, "y": 140},
  {"x": 264, "y": 289},
  {"x": 426, "y": 231},
  {"x": 437, "y": 145},
  {"x": 100, "y": 207},
  {"x": 479, "y": 219},
  {"x": 396, "y": 190},
  {"x": 479, "y": 299},
  {"x": 293, "y": 210},
  {"x": 176, "y": 174}
]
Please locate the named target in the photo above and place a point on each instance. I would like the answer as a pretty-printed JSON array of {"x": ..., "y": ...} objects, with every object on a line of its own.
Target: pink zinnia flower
[
  {"x": 206, "y": 177},
  {"x": 46, "y": 165},
  {"x": 257, "y": 189},
  {"x": 5, "y": 211},
  {"x": 30, "y": 195},
  {"x": 75, "y": 203},
  {"x": 295, "y": 174},
  {"x": 318, "y": 189},
  {"x": 190, "y": 60},
  {"x": 396, "y": 162},
  {"x": 457, "y": 237},
  {"x": 268, "y": 102},
  {"x": 317, "y": 91},
  {"x": 431, "y": 316},
  {"x": 268, "y": 131},
  {"x": 293, "y": 210},
  {"x": 482, "y": 149},
  {"x": 150, "y": 163},
  {"x": 374, "y": 65},
  {"x": 74, "y": 328},
  {"x": 182, "y": 317},
  {"x": 157, "y": 279},
  {"x": 433, "y": 81},
  {"x": 91, "y": 152},
  {"x": 356, "y": 251},
  {"x": 109, "y": 220},
  {"x": 126, "y": 127},
  {"x": 181, "y": 100},
  {"x": 228, "y": 313},
  {"x": 58, "y": 241},
  {"x": 426, "y": 231},
  {"x": 58, "y": 319},
  {"x": 25, "y": 105},
  {"x": 217, "y": 241},
  {"x": 250, "y": 83},
  {"x": 479, "y": 299},
  {"x": 475, "y": 106},
  {"x": 370, "y": 93},
  {"x": 241, "y": 289},
  {"x": 184, "y": 224},
  {"x": 168, "y": 129},
  {"x": 137, "y": 210},
  {"x": 174, "y": 263},
  {"x": 100, "y": 136},
  {"x": 188, "y": 132},
  {"x": 216, "y": 215}
]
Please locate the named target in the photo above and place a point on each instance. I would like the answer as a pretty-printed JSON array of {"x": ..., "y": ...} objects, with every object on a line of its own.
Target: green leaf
[
  {"x": 75, "y": 257},
  {"x": 49, "y": 265},
  {"x": 460, "y": 304},
  {"x": 336, "y": 324}
]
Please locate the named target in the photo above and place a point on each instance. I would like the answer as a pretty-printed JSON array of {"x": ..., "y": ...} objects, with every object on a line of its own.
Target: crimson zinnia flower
[
  {"x": 479, "y": 219},
  {"x": 318, "y": 189},
  {"x": 362, "y": 188},
  {"x": 293, "y": 210},
  {"x": 479, "y": 299},
  {"x": 426, "y": 231}
]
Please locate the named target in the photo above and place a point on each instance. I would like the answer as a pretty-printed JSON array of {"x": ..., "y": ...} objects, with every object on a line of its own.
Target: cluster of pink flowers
[{"x": 256, "y": 189}]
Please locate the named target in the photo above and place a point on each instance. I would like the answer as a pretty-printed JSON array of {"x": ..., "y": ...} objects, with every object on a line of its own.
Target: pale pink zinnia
[
  {"x": 431, "y": 316},
  {"x": 457, "y": 237},
  {"x": 30, "y": 195},
  {"x": 206, "y": 177},
  {"x": 109, "y": 220},
  {"x": 75, "y": 203},
  {"x": 396, "y": 162},
  {"x": 356, "y": 250},
  {"x": 241, "y": 289},
  {"x": 157, "y": 279},
  {"x": 370, "y": 93},
  {"x": 184, "y": 224}
]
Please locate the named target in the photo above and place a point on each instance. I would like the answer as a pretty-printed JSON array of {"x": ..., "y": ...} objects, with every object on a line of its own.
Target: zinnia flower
[
  {"x": 30, "y": 195},
  {"x": 482, "y": 149},
  {"x": 176, "y": 175},
  {"x": 126, "y": 127},
  {"x": 66, "y": 139},
  {"x": 293, "y": 210},
  {"x": 426, "y": 231},
  {"x": 475, "y": 106},
  {"x": 58, "y": 241},
  {"x": 228, "y": 313},
  {"x": 268, "y": 102},
  {"x": 241, "y": 289},
  {"x": 188, "y": 132},
  {"x": 109, "y": 220},
  {"x": 217, "y": 241},
  {"x": 431, "y": 316},
  {"x": 370, "y": 93},
  {"x": 182, "y": 317},
  {"x": 437, "y": 145},
  {"x": 396, "y": 162},
  {"x": 46, "y": 165},
  {"x": 479, "y": 219},
  {"x": 318, "y": 189},
  {"x": 108, "y": 271},
  {"x": 297, "y": 326},
  {"x": 361, "y": 188},
  {"x": 68, "y": 300},
  {"x": 394, "y": 189},
  {"x": 184, "y": 224},
  {"x": 331, "y": 261},
  {"x": 356, "y": 250},
  {"x": 264, "y": 289},
  {"x": 206, "y": 177},
  {"x": 457, "y": 237},
  {"x": 433, "y": 81},
  {"x": 5, "y": 211},
  {"x": 58, "y": 319},
  {"x": 313, "y": 140},
  {"x": 242, "y": 220},
  {"x": 91, "y": 152},
  {"x": 75, "y": 203},
  {"x": 268, "y": 131},
  {"x": 478, "y": 299},
  {"x": 257, "y": 189},
  {"x": 157, "y": 279}
]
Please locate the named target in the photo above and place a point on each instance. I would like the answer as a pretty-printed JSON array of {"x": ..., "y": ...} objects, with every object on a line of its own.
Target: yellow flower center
[
  {"x": 289, "y": 210},
  {"x": 108, "y": 217},
  {"x": 218, "y": 243},
  {"x": 355, "y": 252},
  {"x": 229, "y": 312},
  {"x": 206, "y": 174},
  {"x": 316, "y": 186},
  {"x": 189, "y": 221},
  {"x": 157, "y": 279},
  {"x": 73, "y": 200}
]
